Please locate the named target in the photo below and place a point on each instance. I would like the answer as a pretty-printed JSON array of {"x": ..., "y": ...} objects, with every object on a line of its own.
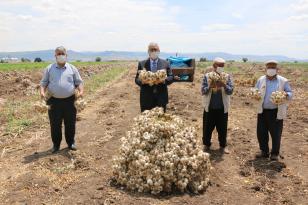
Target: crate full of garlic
[
  {"x": 152, "y": 78},
  {"x": 159, "y": 154}
]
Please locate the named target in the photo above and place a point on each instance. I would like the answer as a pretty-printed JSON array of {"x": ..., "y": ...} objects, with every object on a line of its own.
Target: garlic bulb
[
  {"x": 255, "y": 94},
  {"x": 148, "y": 77},
  {"x": 80, "y": 104},
  {"x": 278, "y": 97},
  {"x": 160, "y": 154},
  {"x": 41, "y": 106}
]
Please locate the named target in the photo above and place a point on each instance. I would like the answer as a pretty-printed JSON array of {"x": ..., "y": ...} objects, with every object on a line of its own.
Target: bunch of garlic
[
  {"x": 151, "y": 78},
  {"x": 47, "y": 95},
  {"x": 214, "y": 77},
  {"x": 160, "y": 154},
  {"x": 255, "y": 94},
  {"x": 41, "y": 106},
  {"x": 278, "y": 97},
  {"x": 80, "y": 103}
]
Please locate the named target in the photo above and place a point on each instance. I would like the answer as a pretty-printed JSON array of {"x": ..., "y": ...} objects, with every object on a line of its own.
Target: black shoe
[
  {"x": 224, "y": 150},
  {"x": 206, "y": 148},
  {"x": 55, "y": 149},
  {"x": 72, "y": 147},
  {"x": 262, "y": 155},
  {"x": 274, "y": 157}
]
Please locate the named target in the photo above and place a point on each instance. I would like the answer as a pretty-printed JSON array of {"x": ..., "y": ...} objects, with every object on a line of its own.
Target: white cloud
[
  {"x": 237, "y": 15},
  {"x": 218, "y": 27},
  {"x": 299, "y": 17},
  {"x": 132, "y": 24},
  {"x": 300, "y": 6},
  {"x": 25, "y": 17},
  {"x": 92, "y": 25}
]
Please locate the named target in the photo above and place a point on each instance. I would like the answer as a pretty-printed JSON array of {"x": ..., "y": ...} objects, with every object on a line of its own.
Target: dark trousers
[
  {"x": 152, "y": 103},
  {"x": 212, "y": 119},
  {"x": 62, "y": 110},
  {"x": 268, "y": 123}
]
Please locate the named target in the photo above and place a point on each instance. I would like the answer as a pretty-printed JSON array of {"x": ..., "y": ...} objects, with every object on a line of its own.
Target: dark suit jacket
[{"x": 147, "y": 96}]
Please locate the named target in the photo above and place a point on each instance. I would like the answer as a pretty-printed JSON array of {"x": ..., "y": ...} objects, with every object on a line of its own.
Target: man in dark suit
[{"x": 155, "y": 95}]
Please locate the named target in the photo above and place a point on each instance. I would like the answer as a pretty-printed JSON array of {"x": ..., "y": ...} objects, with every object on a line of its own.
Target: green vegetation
[
  {"x": 18, "y": 117},
  {"x": 24, "y": 66},
  {"x": 300, "y": 66},
  {"x": 101, "y": 79},
  {"x": 231, "y": 68}
]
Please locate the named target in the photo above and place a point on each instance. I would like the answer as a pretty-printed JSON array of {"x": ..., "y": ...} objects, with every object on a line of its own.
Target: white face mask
[
  {"x": 271, "y": 72},
  {"x": 61, "y": 59},
  {"x": 154, "y": 55},
  {"x": 220, "y": 69}
]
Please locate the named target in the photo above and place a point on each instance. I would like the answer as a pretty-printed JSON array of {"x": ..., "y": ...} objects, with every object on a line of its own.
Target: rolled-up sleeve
[
  {"x": 205, "y": 86},
  {"x": 229, "y": 86},
  {"x": 77, "y": 78},
  {"x": 288, "y": 90},
  {"x": 45, "y": 80}
]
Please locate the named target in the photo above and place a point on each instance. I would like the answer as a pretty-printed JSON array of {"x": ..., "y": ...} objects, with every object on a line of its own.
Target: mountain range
[{"x": 48, "y": 55}]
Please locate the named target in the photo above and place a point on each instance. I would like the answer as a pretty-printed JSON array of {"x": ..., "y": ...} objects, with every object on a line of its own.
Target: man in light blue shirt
[
  {"x": 272, "y": 85},
  {"x": 61, "y": 79},
  {"x": 270, "y": 117}
]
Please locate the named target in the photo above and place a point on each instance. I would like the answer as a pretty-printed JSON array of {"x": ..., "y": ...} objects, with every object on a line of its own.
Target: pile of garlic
[
  {"x": 255, "y": 94},
  {"x": 278, "y": 97},
  {"x": 151, "y": 78},
  {"x": 160, "y": 154}
]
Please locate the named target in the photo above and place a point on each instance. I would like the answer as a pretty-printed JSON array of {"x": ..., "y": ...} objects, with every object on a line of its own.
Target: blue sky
[{"x": 234, "y": 26}]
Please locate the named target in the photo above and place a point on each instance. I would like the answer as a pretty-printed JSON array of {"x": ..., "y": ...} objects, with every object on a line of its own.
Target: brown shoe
[{"x": 262, "y": 155}]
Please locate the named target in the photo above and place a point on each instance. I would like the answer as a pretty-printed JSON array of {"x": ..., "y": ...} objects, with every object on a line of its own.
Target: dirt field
[{"x": 30, "y": 174}]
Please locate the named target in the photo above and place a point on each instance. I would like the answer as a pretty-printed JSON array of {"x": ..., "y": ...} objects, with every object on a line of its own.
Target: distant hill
[{"x": 48, "y": 55}]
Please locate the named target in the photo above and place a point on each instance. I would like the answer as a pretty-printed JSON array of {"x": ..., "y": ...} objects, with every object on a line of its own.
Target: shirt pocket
[{"x": 70, "y": 78}]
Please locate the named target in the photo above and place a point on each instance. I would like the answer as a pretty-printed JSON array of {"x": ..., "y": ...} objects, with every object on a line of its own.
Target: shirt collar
[
  {"x": 65, "y": 66},
  {"x": 153, "y": 61},
  {"x": 275, "y": 78}
]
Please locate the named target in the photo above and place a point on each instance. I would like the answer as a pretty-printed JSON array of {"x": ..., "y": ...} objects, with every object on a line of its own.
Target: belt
[
  {"x": 68, "y": 99},
  {"x": 270, "y": 110}
]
